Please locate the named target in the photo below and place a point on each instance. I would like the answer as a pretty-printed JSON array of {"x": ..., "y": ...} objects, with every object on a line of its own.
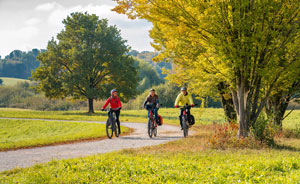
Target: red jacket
[{"x": 114, "y": 103}]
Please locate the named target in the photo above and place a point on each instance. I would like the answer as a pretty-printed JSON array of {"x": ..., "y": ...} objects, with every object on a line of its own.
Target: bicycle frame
[
  {"x": 111, "y": 124},
  {"x": 185, "y": 112},
  {"x": 152, "y": 124},
  {"x": 185, "y": 122},
  {"x": 153, "y": 119}
]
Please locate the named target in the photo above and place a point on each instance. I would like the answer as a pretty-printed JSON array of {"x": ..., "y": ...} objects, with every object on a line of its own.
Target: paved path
[{"x": 139, "y": 138}]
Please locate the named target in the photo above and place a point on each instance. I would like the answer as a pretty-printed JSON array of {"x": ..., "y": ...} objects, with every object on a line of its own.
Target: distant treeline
[
  {"x": 19, "y": 64},
  {"x": 148, "y": 56}
]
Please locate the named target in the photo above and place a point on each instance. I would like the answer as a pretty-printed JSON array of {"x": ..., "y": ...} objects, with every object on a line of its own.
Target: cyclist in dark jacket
[{"x": 152, "y": 99}]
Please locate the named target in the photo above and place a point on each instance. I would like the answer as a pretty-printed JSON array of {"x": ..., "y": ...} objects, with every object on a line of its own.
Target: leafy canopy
[{"x": 86, "y": 61}]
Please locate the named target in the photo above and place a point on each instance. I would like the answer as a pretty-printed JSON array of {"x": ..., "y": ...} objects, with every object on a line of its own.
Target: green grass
[
  {"x": 170, "y": 115},
  {"x": 292, "y": 120},
  {"x": 12, "y": 81},
  {"x": 211, "y": 166},
  {"x": 30, "y": 133},
  {"x": 186, "y": 160}
]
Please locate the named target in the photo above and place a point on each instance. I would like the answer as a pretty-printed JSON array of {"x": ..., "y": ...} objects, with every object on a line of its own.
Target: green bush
[
  {"x": 264, "y": 130},
  {"x": 23, "y": 96}
]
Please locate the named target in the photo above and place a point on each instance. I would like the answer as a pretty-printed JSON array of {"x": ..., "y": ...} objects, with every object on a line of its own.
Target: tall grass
[{"x": 30, "y": 133}]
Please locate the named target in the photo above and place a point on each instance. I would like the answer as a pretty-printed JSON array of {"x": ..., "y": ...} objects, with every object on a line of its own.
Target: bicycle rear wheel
[
  {"x": 155, "y": 132},
  {"x": 150, "y": 128},
  {"x": 109, "y": 129}
]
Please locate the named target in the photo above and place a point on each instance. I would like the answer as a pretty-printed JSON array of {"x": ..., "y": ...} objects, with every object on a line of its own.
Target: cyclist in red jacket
[{"x": 115, "y": 105}]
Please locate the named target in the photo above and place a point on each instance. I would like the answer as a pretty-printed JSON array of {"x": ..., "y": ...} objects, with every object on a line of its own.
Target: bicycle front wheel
[
  {"x": 150, "y": 129},
  {"x": 109, "y": 129},
  {"x": 116, "y": 130},
  {"x": 185, "y": 127}
]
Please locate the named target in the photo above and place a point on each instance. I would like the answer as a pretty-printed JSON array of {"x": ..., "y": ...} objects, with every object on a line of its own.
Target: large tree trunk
[
  {"x": 240, "y": 104},
  {"x": 276, "y": 109},
  {"x": 227, "y": 103},
  {"x": 91, "y": 105}
]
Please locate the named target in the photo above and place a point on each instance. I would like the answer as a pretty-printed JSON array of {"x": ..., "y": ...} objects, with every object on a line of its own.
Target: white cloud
[
  {"x": 135, "y": 31},
  {"x": 46, "y": 6},
  {"x": 34, "y": 29},
  {"x": 18, "y": 39},
  {"x": 32, "y": 21}
]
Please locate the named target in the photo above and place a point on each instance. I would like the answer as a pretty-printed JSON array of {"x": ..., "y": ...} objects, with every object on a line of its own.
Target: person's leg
[
  {"x": 155, "y": 114},
  {"x": 180, "y": 116},
  {"x": 117, "y": 120},
  {"x": 109, "y": 114}
]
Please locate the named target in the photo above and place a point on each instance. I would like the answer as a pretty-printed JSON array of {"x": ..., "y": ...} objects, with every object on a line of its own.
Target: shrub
[
  {"x": 264, "y": 130},
  {"x": 225, "y": 136}
]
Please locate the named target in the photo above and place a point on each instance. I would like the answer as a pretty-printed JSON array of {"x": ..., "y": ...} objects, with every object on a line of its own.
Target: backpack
[
  {"x": 191, "y": 119},
  {"x": 111, "y": 98}
]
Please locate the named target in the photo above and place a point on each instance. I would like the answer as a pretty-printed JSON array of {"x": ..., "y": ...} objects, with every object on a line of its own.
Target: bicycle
[
  {"x": 152, "y": 124},
  {"x": 185, "y": 119},
  {"x": 111, "y": 124}
]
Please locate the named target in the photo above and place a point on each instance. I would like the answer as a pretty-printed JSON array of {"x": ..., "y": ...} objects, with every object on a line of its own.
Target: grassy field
[
  {"x": 183, "y": 161},
  {"x": 28, "y": 133},
  {"x": 189, "y": 160},
  {"x": 12, "y": 81},
  {"x": 170, "y": 115}
]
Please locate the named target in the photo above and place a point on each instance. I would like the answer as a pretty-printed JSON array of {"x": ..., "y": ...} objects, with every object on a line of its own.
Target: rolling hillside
[{"x": 11, "y": 81}]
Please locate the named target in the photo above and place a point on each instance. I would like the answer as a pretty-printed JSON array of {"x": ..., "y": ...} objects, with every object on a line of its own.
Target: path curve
[{"x": 139, "y": 138}]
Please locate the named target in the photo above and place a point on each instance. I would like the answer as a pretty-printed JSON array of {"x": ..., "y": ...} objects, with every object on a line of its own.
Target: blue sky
[{"x": 27, "y": 24}]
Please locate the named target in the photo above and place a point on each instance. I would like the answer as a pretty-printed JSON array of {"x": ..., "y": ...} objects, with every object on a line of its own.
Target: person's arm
[
  {"x": 191, "y": 99},
  {"x": 157, "y": 102},
  {"x": 177, "y": 100},
  {"x": 145, "y": 102},
  {"x": 119, "y": 103},
  {"x": 106, "y": 103}
]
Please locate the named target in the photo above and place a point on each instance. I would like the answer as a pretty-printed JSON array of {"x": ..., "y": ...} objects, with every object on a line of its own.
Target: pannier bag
[
  {"x": 160, "y": 120},
  {"x": 191, "y": 120}
]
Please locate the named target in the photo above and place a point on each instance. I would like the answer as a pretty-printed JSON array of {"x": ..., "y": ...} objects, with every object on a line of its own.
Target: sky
[{"x": 28, "y": 24}]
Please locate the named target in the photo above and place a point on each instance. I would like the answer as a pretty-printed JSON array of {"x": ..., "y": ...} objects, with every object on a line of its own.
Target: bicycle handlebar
[
  {"x": 114, "y": 109},
  {"x": 187, "y": 106}
]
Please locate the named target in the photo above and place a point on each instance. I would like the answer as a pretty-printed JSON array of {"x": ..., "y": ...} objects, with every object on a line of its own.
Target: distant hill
[
  {"x": 148, "y": 56},
  {"x": 19, "y": 64},
  {"x": 12, "y": 81}
]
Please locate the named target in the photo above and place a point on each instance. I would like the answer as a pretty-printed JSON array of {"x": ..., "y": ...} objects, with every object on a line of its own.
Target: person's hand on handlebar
[
  {"x": 192, "y": 105},
  {"x": 102, "y": 109}
]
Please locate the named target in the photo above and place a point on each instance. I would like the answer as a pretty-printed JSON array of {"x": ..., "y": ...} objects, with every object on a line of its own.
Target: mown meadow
[
  {"x": 170, "y": 115},
  {"x": 16, "y": 134},
  {"x": 189, "y": 160}
]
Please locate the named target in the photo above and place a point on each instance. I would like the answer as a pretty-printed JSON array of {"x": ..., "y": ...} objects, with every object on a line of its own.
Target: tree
[
  {"x": 1, "y": 82},
  {"x": 148, "y": 76},
  {"x": 19, "y": 64},
  {"x": 86, "y": 62},
  {"x": 244, "y": 44}
]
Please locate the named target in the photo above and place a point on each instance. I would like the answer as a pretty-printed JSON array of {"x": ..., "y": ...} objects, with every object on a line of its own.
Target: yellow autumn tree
[{"x": 244, "y": 44}]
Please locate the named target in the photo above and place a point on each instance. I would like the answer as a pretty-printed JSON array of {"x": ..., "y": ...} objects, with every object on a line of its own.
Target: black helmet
[
  {"x": 152, "y": 89},
  {"x": 183, "y": 89},
  {"x": 112, "y": 91}
]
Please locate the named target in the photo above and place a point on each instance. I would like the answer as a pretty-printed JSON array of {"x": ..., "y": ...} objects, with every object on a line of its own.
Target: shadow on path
[{"x": 152, "y": 139}]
